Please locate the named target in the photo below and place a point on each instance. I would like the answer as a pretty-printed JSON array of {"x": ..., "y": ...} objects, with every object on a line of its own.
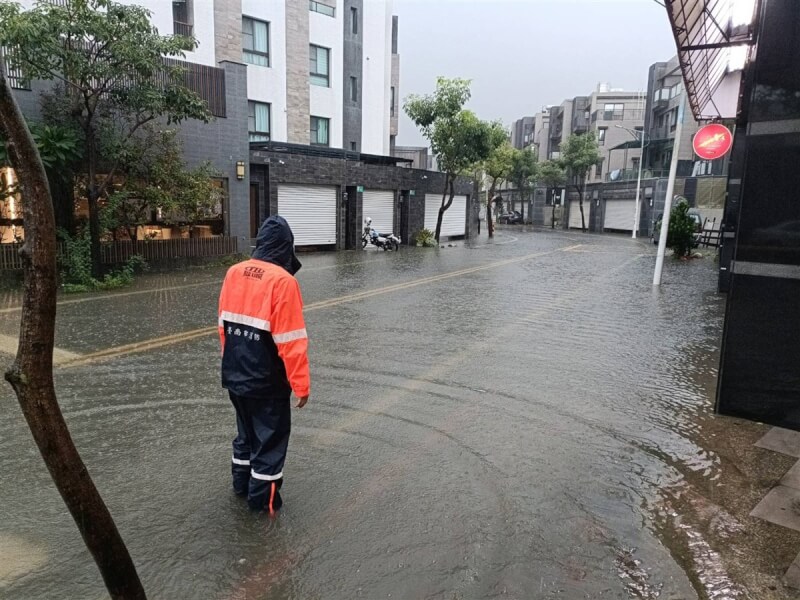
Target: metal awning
[
  {"x": 637, "y": 144},
  {"x": 713, "y": 39}
]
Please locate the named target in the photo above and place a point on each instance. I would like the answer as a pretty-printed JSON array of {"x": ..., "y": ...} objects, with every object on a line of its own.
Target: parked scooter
[{"x": 385, "y": 241}]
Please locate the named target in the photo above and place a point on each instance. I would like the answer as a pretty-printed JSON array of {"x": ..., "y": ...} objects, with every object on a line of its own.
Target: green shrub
[
  {"x": 76, "y": 267},
  {"x": 680, "y": 237},
  {"x": 425, "y": 239}
]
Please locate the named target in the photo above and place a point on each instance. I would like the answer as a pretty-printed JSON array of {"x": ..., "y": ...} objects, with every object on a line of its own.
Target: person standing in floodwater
[{"x": 264, "y": 360}]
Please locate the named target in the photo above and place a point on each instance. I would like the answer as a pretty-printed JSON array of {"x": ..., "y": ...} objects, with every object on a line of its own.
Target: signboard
[{"x": 712, "y": 141}]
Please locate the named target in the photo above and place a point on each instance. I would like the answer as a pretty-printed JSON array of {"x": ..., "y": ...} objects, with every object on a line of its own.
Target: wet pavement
[{"x": 519, "y": 419}]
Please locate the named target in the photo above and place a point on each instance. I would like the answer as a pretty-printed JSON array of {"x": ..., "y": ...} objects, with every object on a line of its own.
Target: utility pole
[{"x": 673, "y": 172}]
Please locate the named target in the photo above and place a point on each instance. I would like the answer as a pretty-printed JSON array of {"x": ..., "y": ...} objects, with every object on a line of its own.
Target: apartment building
[
  {"x": 522, "y": 132},
  {"x": 314, "y": 78},
  {"x": 319, "y": 72}
]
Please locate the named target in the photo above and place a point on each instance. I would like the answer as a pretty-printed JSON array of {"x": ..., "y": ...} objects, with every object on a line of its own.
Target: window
[
  {"x": 354, "y": 146},
  {"x": 322, "y": 9},
  {"x": 601, "y": 135},
  {"x": 182, "y": 17},
  {"x": 673, "y": 119},
  {"x": 392, "y": 100},
  {"x": 255, "y": 42},
  {"x": 613, "y": 112},
  {"x": 258, "y": 121},
  {"x": 320, "y": 65},
  {"x": 319, "y": 131},
  {"x": 354, "y": 89},
  {"x": 598, "y": 169},
  {"x": 354, "y": 20}
]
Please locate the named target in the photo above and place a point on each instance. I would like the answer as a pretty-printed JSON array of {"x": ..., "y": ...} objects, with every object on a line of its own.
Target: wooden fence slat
[{"x": 120, "y": 252}]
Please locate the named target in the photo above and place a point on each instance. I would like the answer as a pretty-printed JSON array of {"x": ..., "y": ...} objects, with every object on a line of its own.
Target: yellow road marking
[
  {"x": 8, "y": 345},
  {"x": 185, "y": 336},
  {"x": 13, "y": 309}
]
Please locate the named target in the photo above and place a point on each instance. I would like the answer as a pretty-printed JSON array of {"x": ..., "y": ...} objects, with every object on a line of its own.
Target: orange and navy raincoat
[{"x": 261, "y": 326}]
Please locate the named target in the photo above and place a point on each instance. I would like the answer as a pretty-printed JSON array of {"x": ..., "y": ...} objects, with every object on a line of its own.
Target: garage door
[
  {"x": 454, "y": 222},
  {"x": 378, "y": 205},
  {"x": 575, "y": 214},
  {"x": 311, "y": 213},
  {"x": 619, "y": 215}
]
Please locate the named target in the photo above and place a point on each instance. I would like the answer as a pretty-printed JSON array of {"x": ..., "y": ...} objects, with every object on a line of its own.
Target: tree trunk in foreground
[{"x": 31, "y": 375}]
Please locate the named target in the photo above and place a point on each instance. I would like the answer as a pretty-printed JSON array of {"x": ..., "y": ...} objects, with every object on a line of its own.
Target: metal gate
[
  {"x": 311, "y": 213},
  {"x": 454, "y": 222},
  {"x": 575, "y": 214},
  {"x": 379, "y": 206},
  {"x": 619, "y": 215}
]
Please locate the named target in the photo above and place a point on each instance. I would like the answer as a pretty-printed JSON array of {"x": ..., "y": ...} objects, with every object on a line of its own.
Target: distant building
[
  {"x": 522, "y": 132},
  {"x": 418, "y": 155}
]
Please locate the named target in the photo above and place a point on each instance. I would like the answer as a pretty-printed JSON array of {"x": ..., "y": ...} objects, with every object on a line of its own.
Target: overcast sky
[{"x": 523, "y": 54}]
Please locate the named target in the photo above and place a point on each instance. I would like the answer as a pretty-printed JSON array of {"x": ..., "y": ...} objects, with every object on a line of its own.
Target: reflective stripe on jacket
[{"x": 262, "y": 331}]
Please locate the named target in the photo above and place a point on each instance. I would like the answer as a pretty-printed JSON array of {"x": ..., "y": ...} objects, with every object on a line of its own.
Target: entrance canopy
[{"x": 714, "y": 39}]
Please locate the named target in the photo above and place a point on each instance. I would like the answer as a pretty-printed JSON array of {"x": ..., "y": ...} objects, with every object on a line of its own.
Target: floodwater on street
[{"x": 497, "y": 421}]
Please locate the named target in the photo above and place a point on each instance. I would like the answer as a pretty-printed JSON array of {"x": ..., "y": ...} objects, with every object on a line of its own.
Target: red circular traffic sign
[{"x": 712, "y": 141}]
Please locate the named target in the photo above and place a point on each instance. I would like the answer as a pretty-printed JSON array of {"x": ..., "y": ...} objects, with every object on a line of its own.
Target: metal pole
[
  {"x": 638, "y": 189},
  {"x": 673, "y": 171}
]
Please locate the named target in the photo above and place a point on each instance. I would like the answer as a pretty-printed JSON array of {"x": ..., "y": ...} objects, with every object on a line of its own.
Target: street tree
[
  {"x": 552, "y": 175},
  {"x": 154, "y": 177},
  {"x": 458, "y": 139},
  {"x": 524, "y": 171},
  {"x": 60, "y": 150},
  {"x": 110, "y": 61},
  {"x": 579, "y": 153},
  {"x": 31, "y": 374},
  {"x": 497, "y": 168}
]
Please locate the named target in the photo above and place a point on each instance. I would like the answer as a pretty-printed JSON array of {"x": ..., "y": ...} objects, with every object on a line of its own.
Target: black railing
[
  {"x": 617, "y": 115},
  {"x": 181, "y": 28}
]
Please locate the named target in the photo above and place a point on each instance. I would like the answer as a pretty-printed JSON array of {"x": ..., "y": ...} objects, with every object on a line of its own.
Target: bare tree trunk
[
  {"x": 581, "y": 192},
  {"x": 489, "y": 198},
  {"x": 31, "y": 375},
  {"x": 448, "y": 185}
]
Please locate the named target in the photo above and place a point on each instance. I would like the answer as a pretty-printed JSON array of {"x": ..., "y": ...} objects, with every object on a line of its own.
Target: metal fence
[{"x": 154, "y": 251}]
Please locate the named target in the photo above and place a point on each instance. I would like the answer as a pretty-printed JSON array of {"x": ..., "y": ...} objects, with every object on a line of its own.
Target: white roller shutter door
[
  {"x": 454, "y": 222},
  {"x": 378, "y": 205},
  {"x": 575, "y": 214},
  {"x": 619, "y": 215},
  {"x": 311, "y": 213}
]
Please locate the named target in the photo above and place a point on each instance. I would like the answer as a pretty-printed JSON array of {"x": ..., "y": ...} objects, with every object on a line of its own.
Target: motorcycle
[{"x": 385, "y": 241}]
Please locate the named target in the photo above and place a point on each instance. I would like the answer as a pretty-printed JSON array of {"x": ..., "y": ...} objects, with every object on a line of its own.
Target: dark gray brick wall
[
  {"x": 30, "y": 100},
  {"x": 223, "y": 142},
  {"x": 284, "y": 168}
]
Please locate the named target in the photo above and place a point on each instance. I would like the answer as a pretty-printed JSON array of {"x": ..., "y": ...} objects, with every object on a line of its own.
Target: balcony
[
  {"x": 182, "y": 29},
  {"x": 634, "y": 114},
  {"x": 633, "y": 174}
]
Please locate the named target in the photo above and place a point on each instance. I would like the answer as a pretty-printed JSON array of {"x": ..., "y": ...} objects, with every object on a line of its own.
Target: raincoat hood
[{"x": 275, "y": 244}]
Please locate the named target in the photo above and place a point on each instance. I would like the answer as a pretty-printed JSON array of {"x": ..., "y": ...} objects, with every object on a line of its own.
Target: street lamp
[{"x": 634, "y": 133}]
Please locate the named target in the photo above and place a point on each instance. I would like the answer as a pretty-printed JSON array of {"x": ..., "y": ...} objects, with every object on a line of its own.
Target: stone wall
[
  {"x": 228, "y": 30},
  {"x": 298, "y": 95},
  {"x": 347, "y": 175},
  {"x": 223, "y": 142}
]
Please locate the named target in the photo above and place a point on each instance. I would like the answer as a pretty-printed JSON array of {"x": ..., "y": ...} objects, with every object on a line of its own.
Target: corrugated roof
[{"x": 709, "y": 34}]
